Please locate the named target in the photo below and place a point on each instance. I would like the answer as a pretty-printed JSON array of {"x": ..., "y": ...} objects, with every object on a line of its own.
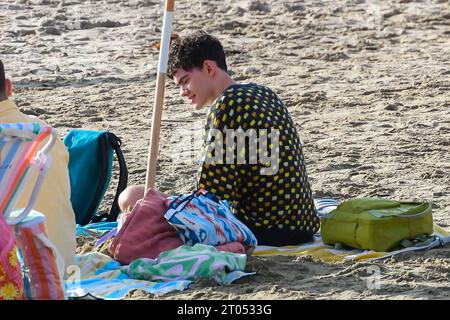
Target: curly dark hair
[{"x": 191, "y": 51}]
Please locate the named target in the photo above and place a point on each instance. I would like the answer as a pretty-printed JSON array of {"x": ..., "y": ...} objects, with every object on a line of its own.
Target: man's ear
[
  {"x": 8, "y": 88},
  {"x": 210, "y": 67}
]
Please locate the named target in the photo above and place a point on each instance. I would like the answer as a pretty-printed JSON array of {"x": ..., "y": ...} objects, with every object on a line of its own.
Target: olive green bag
[{"x": 376, "y": 224}]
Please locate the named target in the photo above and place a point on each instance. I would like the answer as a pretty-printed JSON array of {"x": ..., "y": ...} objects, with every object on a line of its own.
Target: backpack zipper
[{"x": 420, "y": 209}]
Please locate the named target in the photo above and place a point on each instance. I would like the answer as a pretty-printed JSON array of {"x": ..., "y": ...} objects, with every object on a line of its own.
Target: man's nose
[{"x": 184, "y": 92}]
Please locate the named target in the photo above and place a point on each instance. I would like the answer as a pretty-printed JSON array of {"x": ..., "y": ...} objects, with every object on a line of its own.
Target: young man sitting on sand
[
  {"x": 271, "y": 195},
  {"x": 54, "y": 198}
]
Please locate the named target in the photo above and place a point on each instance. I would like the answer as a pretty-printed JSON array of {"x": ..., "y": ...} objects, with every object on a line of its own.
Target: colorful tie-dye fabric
[{"x": 191, "y": 263}]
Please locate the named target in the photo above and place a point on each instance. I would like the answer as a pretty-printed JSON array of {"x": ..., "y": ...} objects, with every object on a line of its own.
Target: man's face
[{"x": 195, "y": 85}]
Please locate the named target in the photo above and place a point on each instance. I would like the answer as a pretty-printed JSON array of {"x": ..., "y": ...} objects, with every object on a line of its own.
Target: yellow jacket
[{"x": 54, "y": 198}]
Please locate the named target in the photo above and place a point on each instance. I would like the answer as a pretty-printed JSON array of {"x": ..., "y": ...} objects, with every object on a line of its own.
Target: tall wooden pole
[{"x": 159, "y": 96}]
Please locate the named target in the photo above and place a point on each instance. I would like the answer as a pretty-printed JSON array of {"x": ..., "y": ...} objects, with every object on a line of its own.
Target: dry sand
[{"x": 366, "y": 82}]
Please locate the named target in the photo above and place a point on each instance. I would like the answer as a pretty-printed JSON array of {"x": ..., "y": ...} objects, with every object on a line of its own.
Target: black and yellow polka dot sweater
[{"x": 281, "y": 197}]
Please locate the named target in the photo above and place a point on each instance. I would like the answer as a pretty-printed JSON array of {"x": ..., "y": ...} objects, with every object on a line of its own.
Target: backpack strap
[
  {"x": 115, "y": 143},
  {"x": 123, "y": 177}
]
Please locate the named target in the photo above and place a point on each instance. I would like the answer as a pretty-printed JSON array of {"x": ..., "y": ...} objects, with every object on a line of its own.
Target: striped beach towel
[
  {"x": 328, "y": 253},
  {"x": 99, "y": 276}
]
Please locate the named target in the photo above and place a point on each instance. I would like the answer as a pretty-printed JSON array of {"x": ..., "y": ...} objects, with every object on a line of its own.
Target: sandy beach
[{"x": 367, "y": 84}]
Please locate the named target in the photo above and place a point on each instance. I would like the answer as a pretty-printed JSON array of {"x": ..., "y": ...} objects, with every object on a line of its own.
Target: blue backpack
[{"x": 90, "y": 169}]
